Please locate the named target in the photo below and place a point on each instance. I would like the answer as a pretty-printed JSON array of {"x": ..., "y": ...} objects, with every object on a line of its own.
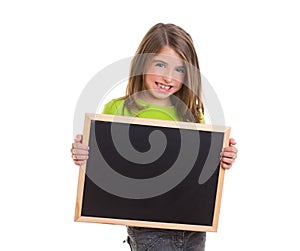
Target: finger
[
  {"x": 226, "y": 160},
  {"x": 230, "y": 149},
  {"x": 79, "y": 146},
  {"x": 226, "y": 166},
  {"x": 231, "y": 155},
  {"x": 80, "y": 157},
  {"x": 78, "y": 151},
  {"x": 79, "y": 162}
]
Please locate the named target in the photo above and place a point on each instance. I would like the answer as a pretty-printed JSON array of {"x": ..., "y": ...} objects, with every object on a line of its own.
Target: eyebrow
[{"x": 161, "y": 61}]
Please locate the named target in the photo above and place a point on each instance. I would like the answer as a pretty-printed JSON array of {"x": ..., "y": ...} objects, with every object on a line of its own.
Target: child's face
[{"x": 164, "y": 76}]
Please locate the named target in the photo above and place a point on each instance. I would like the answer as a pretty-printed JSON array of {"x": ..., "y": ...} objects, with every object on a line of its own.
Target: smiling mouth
[{"x": 164, "y": 87}]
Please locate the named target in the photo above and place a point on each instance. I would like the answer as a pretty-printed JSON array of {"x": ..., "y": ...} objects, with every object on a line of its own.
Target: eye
[
  {"x": 180, "y": 69},
  {"x": 160, "y": 65}
]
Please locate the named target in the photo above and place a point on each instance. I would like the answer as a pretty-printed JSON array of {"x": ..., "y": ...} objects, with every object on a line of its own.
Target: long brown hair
[{"x": 160, "y": 35}]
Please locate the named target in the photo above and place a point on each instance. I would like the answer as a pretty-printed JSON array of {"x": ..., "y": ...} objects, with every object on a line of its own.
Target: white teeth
[{"x": 165, "y": 87}]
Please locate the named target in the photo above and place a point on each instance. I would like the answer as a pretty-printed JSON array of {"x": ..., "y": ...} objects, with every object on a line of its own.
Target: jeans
[{"x": 151, "y": 239}]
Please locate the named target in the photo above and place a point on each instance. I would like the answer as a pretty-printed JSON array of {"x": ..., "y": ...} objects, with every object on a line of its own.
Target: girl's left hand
[{"x": 229, "y": 154}]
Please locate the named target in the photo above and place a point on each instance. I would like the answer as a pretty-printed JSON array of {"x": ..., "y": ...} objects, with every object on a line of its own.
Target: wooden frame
[{"x": 81, "y": 217}]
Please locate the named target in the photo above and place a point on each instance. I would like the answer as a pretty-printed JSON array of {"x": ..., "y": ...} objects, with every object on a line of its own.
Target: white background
[{"x": 249, "y": 52}]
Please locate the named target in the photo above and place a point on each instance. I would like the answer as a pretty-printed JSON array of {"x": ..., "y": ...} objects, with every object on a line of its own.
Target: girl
[{"x": 164, "y": 83}]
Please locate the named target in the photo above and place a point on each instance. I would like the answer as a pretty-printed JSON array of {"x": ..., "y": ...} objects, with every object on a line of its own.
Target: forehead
[{"x": 168, "y": 55}]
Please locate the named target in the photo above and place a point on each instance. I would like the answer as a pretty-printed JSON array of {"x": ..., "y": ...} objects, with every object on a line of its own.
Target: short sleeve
[
  {"x": 114, "y": 107},
  {"x": 110, "y": 107},
  {"x": 202, "y": 120}
]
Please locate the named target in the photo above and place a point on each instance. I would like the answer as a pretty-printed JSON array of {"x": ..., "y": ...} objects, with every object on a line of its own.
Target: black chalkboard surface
[{"x": 151, "y": 173}]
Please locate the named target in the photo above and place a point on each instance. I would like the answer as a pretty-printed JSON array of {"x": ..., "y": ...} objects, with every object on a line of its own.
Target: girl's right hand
[{"x": 80, "y": 152}]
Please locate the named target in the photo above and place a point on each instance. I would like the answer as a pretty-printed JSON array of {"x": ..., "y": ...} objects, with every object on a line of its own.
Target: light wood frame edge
[
  {"x": 147, "y": 224},
  {"x": 157, "y": 122},
  {"x": 82, "y": 169},
  {"x": 220, "y": 184}
]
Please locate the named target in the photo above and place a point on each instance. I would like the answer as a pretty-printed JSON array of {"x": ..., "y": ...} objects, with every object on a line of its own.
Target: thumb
[
  {"x": 232, "y": 142},
  {"x": 78, "y": 138}
]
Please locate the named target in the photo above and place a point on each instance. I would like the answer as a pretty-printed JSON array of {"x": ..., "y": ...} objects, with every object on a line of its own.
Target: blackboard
[{"x": 151, "y": 173}]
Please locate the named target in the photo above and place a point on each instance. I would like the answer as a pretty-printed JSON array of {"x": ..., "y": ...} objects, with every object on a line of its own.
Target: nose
[{"x": 167, "y": 77}]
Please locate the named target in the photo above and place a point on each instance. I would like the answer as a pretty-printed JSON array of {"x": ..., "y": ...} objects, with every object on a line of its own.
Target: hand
[
  {"x": 80, "y": 152},
  {"x": 229, "y": 154}
]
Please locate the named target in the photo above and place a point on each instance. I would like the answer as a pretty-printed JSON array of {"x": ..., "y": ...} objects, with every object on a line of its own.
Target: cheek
[
  {"x": 179, "y": 85},
  {"x": 149, "y": 78},
  {"x": 178, "y": 81},
  {"x": 179, "y": 77}
]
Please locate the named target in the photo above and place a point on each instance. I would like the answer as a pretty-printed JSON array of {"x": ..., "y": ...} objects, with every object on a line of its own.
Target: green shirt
[{"x": 115, "y": 107}]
